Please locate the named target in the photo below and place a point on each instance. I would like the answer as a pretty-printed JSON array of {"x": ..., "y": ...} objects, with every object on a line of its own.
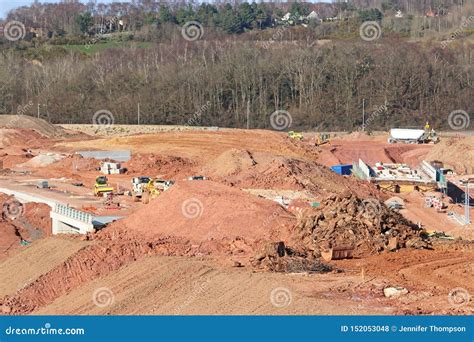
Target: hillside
[{"x": 281, "y": 67}]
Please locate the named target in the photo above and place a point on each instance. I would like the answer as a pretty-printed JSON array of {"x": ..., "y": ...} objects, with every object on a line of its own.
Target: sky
[{"x": 7, "y": 5}]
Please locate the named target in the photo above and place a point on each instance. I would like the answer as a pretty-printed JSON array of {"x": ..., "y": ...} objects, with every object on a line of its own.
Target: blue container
[{"x": 342, "y": 169}]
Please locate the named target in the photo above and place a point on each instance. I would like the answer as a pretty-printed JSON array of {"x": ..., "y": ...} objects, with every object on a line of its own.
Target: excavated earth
[{"x": 208, "y": 247}]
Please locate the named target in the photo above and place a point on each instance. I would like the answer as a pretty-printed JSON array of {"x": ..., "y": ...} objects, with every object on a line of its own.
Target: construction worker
[{"x": 427, "y": 126}]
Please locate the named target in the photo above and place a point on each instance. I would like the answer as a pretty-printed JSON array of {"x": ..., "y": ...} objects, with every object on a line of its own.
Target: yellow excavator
[
  {"x": 102, "y": 187},
  {"x": 295, "y": 135},
  {"x": 146, "y": 188},
  {"x": 323, "y": 139}
]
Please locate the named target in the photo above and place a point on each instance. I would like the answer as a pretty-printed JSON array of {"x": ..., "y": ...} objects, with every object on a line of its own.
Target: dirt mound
[
  {"x": 9, "y": 237},
  {"x": 367, "y": 225},
  {"x": 409, "y": 154},
  {"x": 204, "y": 212},
  {"x": 23, "y": 138},
  {"x": 153, "y": 165},
  {"x": 231, "y": 162},
  {"x": 37, "y": 215},
  {"x": 28, "y": 122},
  {"x": 42, "y": 160},
  {"x": 261, "y": 170},
  {"x": 76, "y": 270},
  {"x": 75, "y": 163},
  {"x": 456, "y": 153},
  {"x": 21, "y": 223}
]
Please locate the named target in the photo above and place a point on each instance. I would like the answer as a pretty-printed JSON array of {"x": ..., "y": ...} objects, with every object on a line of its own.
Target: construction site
[{"x": 182, "y": 220}]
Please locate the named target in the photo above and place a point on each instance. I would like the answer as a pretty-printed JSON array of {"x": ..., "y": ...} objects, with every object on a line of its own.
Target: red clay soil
[
  {"x": 37, "y": 215},
  {"x": 371, "y": 152},
  {"x": 29, "y": 222},
  {"x": 21, "y": 137},
  {"x": 152, "y": 165},
  {"x": 261, "y": 170},
  {"x": 89, "y": 263},
  {"x": 456, "y": 153},
  {"x": 202, "y": 211},
  {"x": 9, "y": 238},
  {"x": 75, "y": 163}
]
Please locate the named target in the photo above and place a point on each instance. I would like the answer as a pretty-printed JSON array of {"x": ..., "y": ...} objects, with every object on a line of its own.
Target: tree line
[
  {"x": 73, "y": 18},
  {"x": 235, "y": 83}
]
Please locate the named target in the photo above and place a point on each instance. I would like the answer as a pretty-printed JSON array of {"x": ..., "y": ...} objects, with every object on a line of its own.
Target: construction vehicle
[
  {"x": 412, "y": 136},
  {"x": 146, "y": 188},
  {"x": 323, "y": 139},
  {"x": 337, "y": 253},
  {"x": 101, "y": 186},
  {"x": 196, "y": 178},
  {"x": 295, "y": 135}
]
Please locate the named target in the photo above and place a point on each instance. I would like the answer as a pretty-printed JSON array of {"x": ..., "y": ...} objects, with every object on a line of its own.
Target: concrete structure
[
  {"x": 121, "y": 156},
  {"x": 398, "y": 177},
  {"x": 27, "y": 197},
  {"x": 67, "y": 220},
  {"x": 109, "y": 168}
]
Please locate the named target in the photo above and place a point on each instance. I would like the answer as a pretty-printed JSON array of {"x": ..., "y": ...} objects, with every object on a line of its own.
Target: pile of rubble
[
  {"x": 367, "y": 226},
  {"x": 276, "y": 257}
]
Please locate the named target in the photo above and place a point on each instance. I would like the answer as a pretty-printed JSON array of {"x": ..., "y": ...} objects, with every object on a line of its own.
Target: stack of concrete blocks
[{"x": 109, "y": 168}]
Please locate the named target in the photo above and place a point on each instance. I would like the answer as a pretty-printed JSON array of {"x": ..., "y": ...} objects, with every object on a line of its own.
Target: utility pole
[
  {"x": 363, "y": 115},
  {"x": 248, "y": 113},
  {"x": 138, "y": 113},
  {"x": 466, "y": 205},
  {"x": 467, "y": 197}
]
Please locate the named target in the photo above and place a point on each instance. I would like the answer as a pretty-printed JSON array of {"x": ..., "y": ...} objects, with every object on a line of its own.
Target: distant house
[
  {"x": 37, "y": 32},
  {"x": 313, "y": 16},
  {"x": 431, "y": 14},
  {"x": 399, "y": 14},
  {"x": 286, "y": 17}
]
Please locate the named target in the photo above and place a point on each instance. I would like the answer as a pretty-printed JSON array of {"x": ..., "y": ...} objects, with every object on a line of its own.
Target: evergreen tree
[
  {"x": 262, "y": 16},
  {"x": 246, "y": 14},
  {"x": 166, "y": 16},
  {"x": 84, "y": 21},
  {"x": 372, "y": 14},
  {"x": 231, "y": 22}
]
